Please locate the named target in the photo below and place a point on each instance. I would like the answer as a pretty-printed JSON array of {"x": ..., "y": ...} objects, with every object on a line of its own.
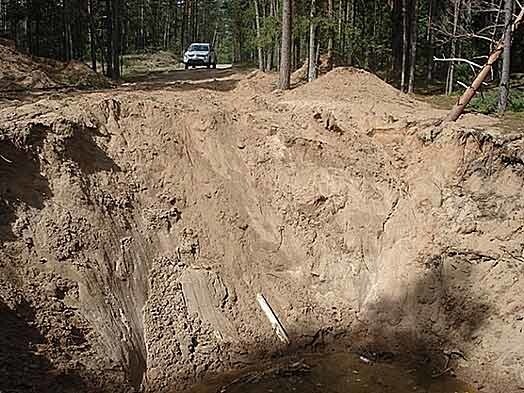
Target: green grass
[
  {"x": 512, "y": 122},
  {"x": 439, "y": 101},
  {"x": 487, "y": 103}
]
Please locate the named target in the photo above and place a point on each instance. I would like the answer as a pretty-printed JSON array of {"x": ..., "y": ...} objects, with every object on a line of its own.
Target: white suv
[{"x": 200, "y": 54}]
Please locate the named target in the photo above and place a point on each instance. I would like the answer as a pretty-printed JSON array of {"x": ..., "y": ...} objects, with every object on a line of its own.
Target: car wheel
[
  {"x": 208, "y": 65},
  {"x": 214, "y": 65},
  {"x": 186, "y": 66}
]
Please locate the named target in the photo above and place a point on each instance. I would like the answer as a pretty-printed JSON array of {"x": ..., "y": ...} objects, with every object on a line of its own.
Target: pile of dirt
[
  {"x": 324, "y": 66},
  {"x": 351, "y": 82},
  {"x": 256, "y": 83},
  {"x": 137, "y": 228},
  {"x": 20, "y": 72},
  {"x": 145, "y": 63},
  {"x": 162, "y": 59},
  {"x": 364, "y": 102}
]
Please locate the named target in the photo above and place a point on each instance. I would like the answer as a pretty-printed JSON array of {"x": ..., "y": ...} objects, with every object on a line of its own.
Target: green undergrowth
[{"x": 487, "y": 102}]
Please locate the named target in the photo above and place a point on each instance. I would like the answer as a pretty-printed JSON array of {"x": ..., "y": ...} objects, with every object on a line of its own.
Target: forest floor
[{"x": 138, "y": 224}]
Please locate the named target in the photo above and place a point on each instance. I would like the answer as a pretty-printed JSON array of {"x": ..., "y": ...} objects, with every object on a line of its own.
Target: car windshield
[{"x": 199, "y": 48}]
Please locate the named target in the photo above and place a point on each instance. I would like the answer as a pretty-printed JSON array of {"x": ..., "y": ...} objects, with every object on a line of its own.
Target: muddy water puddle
[{"x": 335, "y": 373}]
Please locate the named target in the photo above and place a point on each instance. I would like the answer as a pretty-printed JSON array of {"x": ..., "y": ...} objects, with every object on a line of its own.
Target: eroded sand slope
[{"x": 138, "y": 226}]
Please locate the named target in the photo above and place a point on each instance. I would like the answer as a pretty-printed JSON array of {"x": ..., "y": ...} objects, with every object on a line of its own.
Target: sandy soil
[
  {"x": 20, "y": 72},
  {"x": 138, "y": 225}
]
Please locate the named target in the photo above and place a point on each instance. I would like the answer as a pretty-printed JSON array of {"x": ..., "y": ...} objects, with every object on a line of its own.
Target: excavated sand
[
  {"x": 20, "y": 72},
  {"x": 138, "y": 226}
]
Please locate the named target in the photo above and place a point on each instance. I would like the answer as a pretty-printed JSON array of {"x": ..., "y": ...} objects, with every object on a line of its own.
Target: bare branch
[
  {"x": 495, "y": 26},
  {"x": 487, "y": 10},
  {"x": 465, "y": 86},
  {"x": 496, "y": 22},
  {"x": 477, "y": 36},
  {"x": 469, "y": 62},
  {"x": 5, "y": 159},
  {"x": 481, "y": 37},
  {"x": 458, "y": 59},
  {"x": 470, "y": 92}
]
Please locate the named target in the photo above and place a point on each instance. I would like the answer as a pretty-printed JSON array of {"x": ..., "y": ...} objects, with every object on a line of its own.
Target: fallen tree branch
[
  {"x": 472, "y": 64},
  {"x": 458, "y": 59},
  {"x": 465, "y": 86},
  {"x": 470, "y": 92},
  {"x": 5, "y": 159},
  {"x": 481, "y": 37}
]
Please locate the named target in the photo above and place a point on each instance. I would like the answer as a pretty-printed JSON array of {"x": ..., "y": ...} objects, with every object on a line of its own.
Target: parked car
[{"x": 200, "y": 54}]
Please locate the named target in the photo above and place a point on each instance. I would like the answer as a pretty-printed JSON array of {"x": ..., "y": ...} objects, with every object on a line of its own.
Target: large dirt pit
[{"x": 138, "y": 225}]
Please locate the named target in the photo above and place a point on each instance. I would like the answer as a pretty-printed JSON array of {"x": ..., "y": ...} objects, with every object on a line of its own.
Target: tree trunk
[
  {"x": 312, "y": 66},
  {"x": 276, "y": 54},
  {"x": 175, "y": 23},
  {"x": 331, "y": 34},
  {"x": 189, "y": 28},
  {"x": 396, "y": 37},
  {"x": 167, "y": 25},
  {"x": 37, "y": 38},
  {"x": 67, "y": 31},
  {"x": 183, "y": 41},
  {"x": 297, "y": 52},
  {"x": 506, "y": 57},
  {"x": 116, "y": 37},
  {"x": 196, "y": 32},
  {"x": 215, "y": 37},
  {"x": 285, "y": 55},
  {"x": 369, "y": 51},
  {"x": 429, "y": 39},
  {"x": 339, "y": 26},
  {"x": 343, "y": 44},
  {"x": 270, "y": 52},
  {"x": 276, "y": 46},
  {"x": 109, "y": 39},
  {"x": 413, "y": 55},
  {"x": 451, "y": 70},
  {"x": 353, "y": 36},
  {"x": 142, "y": 29},
  {"x": 404, "y": 46},
  {"x": 92, "y": 39},
  {"x": 259, "y": 44},
  {"x": 470, "y": 92},
  {"x": 317, "y": 53}
]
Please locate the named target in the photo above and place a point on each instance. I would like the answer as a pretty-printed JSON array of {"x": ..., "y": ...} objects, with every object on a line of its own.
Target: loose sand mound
[
  {"x": 145, "y": 63},
  {"x": 349, "y": 82},
  {"x": 365, "y": 102},
  {"x": 301, "y": 74},
  {"x": 138, "y": 227},
  {"x": 22, "y": 72}
]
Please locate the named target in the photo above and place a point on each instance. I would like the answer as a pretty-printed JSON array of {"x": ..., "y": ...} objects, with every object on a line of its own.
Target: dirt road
[
  {"x": 192, "y": 74},
  {"x": 139, "y": 224},
  {"x": 223, "y": 78}
]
